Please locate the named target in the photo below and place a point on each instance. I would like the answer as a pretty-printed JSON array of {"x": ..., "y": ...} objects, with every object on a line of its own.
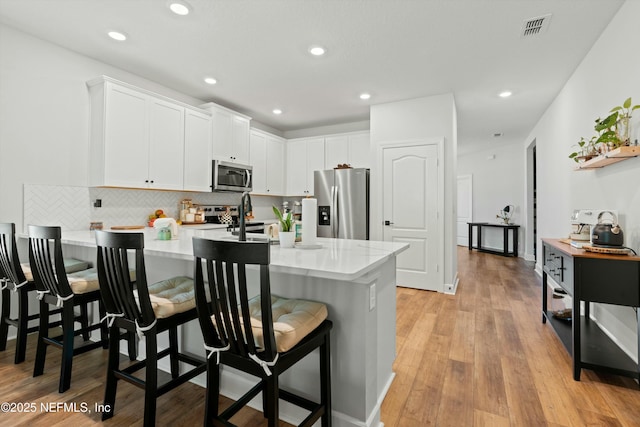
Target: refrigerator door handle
[{"x": 333, "y": 212}]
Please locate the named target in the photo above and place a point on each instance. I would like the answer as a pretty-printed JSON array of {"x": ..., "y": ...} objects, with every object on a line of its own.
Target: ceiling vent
[{"x": 535, "y": 26}]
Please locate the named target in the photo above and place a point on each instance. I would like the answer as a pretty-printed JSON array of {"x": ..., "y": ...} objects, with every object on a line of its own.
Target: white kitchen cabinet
[
  {"x": 360, "y": 150},
  {"x": 197, "y": 151},
  {"x": 137, "y": 138},
  {"x": 304, "y": 157},
  {"x": 166, "y": 145},
  {"x": 353, "y": 149},
  {"x": 258, "y": 159},
  {"x": 275, "y": 166},
  {"x": 267, "y": 158},
  {"x": 230, "y": 133}
]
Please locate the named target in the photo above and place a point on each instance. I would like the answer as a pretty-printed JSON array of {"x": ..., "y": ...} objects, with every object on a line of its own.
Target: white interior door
[
  {"x": 410, "y": 206},
  {"x": 465, "y": 208}
]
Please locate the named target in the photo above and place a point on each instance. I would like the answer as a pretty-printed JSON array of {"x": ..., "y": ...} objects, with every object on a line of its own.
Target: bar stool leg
[
  {"x": 23, "y": 325},
  {"x": 112, "y": 366},
  {"x": 43, "y": 332},
  {"x": 5, "y": 312},
  {"x": 151, "y": 381},
  {"x": 67, "y": 346}
]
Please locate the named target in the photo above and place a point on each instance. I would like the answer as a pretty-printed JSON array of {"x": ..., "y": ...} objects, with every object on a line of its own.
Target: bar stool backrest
[
  {"x": 116, "y": 286},
  {"x": 224, "y": 296},
  {"x": 45, "y": 258},
  {"x": 9, "y": 262}
]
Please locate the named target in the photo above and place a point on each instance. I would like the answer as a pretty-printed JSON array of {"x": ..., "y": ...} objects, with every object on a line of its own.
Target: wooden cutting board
[{"x": 127, "y": 227}]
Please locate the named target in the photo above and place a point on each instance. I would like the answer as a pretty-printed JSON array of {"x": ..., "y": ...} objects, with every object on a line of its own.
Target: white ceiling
[{"x": 393, "y": 49}]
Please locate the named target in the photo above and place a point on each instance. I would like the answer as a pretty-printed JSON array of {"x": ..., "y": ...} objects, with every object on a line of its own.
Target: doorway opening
[{"x": 531, "y": 241}]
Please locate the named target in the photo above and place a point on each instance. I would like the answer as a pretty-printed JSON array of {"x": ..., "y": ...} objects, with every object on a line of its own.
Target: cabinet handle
[{"x": 146, "y": 180}]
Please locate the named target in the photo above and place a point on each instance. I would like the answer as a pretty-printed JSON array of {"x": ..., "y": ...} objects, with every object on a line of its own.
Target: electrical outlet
[{"x": 372, "y": 297}]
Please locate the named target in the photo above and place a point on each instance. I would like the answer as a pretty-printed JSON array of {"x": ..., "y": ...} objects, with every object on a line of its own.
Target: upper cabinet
[
  {"x": 304, "y": 157},
  {"x": 353, "y": 149},
  {"x": 197, "y": 151},
  {"x": 307, "y": 155},
  {"x": 137, "y": 138},
  {"x": 267, "y": 154},
  {"x": 230, "y": 133}
]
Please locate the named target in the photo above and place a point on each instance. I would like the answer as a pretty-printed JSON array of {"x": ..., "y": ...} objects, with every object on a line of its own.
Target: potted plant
[
  {"x": 587, "y": 150},
  {"x": 623, "y": 113},
  {"x": 612, "y": 132},
  {"x": 287, "y": 236}
]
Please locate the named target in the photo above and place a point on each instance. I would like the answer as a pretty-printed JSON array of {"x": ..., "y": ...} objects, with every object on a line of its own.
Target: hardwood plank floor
[
  {"x": 479, "y": 358},
  {"x": 487, "y": 359}
]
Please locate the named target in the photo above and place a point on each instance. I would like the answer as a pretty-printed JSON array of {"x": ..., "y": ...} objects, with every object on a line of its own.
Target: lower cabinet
[{"x": 589, "y": 278}]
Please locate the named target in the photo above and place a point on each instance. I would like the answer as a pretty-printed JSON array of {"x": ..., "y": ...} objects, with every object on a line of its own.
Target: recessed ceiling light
[
  {"x": 277, "y": 111},
  {"x": 210, "y": 80},
  {"x": 505, "y": 94},
  {"x": 116, "y": 35},
  {"x": 317, "y": 50},
  {"x": 365, "y": 96},
  {"x": 179, "y": 8}
]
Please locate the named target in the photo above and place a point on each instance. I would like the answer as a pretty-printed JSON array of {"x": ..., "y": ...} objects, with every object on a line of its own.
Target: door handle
[
  {"x": 387, "y": 222},
  {"x": 334, "y": 211}
]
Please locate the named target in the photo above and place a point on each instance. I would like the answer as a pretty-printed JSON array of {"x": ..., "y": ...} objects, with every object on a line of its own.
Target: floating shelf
[{"x": 613, "y": 156}]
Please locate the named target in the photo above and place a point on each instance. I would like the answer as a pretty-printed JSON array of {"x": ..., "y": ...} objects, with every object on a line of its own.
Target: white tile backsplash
[{"x": 73, "y": 207}]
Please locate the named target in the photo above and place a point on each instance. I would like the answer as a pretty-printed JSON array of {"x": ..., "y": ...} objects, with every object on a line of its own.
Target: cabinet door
[
  {"x": 257, "y": 154},
  {"x": 336, "y": 150},
  {"x": 197, "y": 151},
  {"x": 315, "y": 161},
  {"x": 296, "y": 168},
  {"x": 239, "y": 140},
  {"x": 221, "y": 122},
  {"x": 126, "y": 138},
  {"x": 360, "y": 150},
  {"x": 166, "y": 145},
  {"x": 275, "y": 167}
]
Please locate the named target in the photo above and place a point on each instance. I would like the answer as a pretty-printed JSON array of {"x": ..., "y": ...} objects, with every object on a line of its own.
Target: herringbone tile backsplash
[{"x": 73, "y": 207}]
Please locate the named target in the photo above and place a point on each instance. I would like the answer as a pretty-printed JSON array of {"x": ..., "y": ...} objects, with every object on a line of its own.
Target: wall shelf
[{"x": 613, "y": 156}]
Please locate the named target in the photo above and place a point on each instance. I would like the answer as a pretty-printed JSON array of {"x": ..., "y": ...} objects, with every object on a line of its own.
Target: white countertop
[{"x": 339, "y": 259}]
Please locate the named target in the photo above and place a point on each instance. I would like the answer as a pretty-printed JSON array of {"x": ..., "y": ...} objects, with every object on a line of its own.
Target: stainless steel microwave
[{"x": 228, "y": 176}]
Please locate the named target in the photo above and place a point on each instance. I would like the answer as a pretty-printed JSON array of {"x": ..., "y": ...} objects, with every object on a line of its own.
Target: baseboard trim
[{"x": 451, "y": 288}]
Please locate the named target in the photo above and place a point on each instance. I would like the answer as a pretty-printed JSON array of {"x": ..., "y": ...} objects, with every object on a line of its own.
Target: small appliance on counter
[
  {"x": 217, "y": 214},
  {"x": 607, "y": 233},
  {"x": 582, "y": 221}
]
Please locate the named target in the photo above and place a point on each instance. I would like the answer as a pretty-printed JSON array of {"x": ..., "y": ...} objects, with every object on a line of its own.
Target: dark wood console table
[
  {"x": 505, "y": 248},
  {"x": 592, "y": 278}
]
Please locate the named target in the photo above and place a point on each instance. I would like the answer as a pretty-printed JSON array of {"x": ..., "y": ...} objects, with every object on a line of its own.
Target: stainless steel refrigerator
[{"x": 343, "y": 203}]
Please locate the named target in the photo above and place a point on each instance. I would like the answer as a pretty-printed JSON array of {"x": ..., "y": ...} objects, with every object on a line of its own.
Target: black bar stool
[
  {"x": 65, "y": 292},
  {"x": 263, "y": 336},
  {"x": 147, "y": 310},
  {"x": 16, "y": 277}
]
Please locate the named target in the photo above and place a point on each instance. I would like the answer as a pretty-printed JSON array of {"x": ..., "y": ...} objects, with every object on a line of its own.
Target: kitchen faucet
[{"x": 244, "y": 208}]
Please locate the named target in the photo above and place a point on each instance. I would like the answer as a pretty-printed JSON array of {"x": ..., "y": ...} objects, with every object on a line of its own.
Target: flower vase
[{"x": 623, "y": 130}]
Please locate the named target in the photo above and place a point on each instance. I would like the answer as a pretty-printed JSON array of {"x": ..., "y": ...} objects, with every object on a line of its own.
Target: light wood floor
[
  {"x": 484, "y": 358},
  {"x": 479, "y": 358}
]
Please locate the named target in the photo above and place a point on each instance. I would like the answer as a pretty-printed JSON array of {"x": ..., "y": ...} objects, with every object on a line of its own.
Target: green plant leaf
[
  {"x": 627, "y": 103},
  {"x": 572, "y": 155},
  {"x": 615, "y": 109},
  {"x": 635, "y": 107}
]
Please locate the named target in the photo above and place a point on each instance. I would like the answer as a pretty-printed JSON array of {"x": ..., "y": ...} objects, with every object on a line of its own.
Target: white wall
[
  {"x": 44, "y": 115},
  {"x": 498, "y": 181},
  {"x": 420, "y": 118},
  {"x": 605, "y": 78}
]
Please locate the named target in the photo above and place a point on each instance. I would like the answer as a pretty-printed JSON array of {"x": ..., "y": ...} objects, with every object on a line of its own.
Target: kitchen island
[{"x": 355, "y": 278}]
